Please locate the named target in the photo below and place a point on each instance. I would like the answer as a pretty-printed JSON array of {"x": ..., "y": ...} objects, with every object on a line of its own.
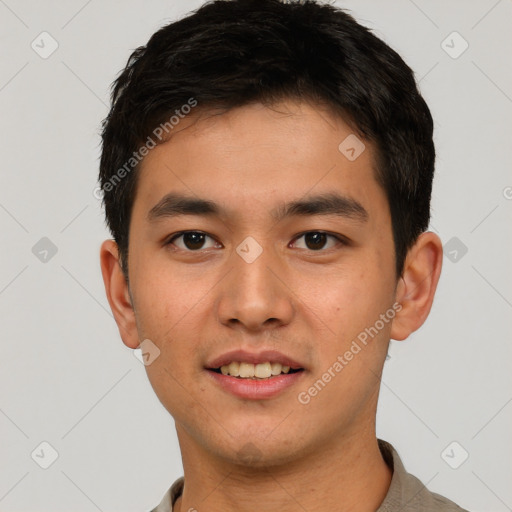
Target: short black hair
[{"x": 230, "y": 53}]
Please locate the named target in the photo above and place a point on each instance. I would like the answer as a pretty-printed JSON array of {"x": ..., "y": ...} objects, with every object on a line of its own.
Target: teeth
[
  {"x": 263, "y": 370},
  {"x": 233, "y": 369},
  {"x": 275, "y": 368},
  {"x": 248, "y": 370}
]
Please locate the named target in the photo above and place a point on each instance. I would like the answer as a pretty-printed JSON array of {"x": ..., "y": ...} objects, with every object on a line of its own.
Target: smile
[{"x": 243, "y": 370}]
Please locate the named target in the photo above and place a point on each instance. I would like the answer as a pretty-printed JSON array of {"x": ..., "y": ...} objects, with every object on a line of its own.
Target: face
[{"x": 246, "y": 278}]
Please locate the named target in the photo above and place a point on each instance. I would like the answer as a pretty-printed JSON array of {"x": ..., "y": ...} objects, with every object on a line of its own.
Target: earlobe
[
  {"x": 417, "y": 285},
  {"x": 118, "y": 293}
]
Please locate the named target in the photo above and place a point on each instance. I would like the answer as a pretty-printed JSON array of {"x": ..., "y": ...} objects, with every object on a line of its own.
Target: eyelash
[{"x": 339, "y": 238}]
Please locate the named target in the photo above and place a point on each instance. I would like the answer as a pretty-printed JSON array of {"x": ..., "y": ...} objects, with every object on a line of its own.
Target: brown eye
[
  {"x": 316, "y": 240},
  {"x": 191, "y": 240}
]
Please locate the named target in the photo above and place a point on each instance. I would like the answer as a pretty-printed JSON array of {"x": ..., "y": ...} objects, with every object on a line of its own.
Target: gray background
[{"x": 65, "y": 376}]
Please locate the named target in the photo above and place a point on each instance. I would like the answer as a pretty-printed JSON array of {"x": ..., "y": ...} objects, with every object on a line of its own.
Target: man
[{"x": 267, "y": 169}]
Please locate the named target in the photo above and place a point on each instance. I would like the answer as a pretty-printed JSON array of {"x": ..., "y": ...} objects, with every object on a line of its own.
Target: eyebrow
[{"x": 174, "y": 204}]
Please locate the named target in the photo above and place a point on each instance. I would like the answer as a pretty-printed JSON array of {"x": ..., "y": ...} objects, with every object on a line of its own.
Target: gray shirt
[{"x": 405, "y": 494}]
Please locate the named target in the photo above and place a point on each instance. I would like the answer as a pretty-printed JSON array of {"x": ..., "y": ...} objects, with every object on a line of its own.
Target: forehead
[{"x": 254, "y": 157}]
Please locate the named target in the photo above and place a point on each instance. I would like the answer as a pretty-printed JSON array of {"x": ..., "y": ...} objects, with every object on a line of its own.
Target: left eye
[{"x": 315, "y": 240}]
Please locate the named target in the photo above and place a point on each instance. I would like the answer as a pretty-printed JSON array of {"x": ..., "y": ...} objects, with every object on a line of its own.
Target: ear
[
  {"x": 118, "y": 293},
  {"x": 417, "y": 285}
]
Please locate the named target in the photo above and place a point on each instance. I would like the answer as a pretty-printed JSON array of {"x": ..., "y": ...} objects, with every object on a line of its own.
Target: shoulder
[
  {"x": 428, "y": 501},
  {"x": 407, "y": 493},
  {"x": 170, "y": 497}
]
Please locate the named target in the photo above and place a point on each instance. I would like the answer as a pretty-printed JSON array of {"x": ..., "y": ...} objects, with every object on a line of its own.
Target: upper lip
[{"x": 245, "y": 356}]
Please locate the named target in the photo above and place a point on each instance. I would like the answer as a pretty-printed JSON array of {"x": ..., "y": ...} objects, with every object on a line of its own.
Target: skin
[{"x": 307, "y": 303}]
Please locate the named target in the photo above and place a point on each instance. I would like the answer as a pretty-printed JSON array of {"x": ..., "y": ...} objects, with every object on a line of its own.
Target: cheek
[
  {"x": 351, "y": 303},
  {"x": 163, "y": 297},
  {"x": 348, "y": 295}
]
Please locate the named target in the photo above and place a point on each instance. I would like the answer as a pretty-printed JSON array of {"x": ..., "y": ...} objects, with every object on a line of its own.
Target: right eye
[{"x": 192, "y": 241}]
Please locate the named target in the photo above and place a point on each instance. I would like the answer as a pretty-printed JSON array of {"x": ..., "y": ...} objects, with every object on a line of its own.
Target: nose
[{"x": 255, "y": 295}]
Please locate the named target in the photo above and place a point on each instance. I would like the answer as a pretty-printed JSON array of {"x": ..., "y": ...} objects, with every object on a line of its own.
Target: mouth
[
  {"x": 260, "y": 371},
  {"x": 252, "y": 376}
]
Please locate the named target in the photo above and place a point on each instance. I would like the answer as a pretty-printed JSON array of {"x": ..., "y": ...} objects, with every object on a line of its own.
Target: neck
[{"x": 346, "y": 475}]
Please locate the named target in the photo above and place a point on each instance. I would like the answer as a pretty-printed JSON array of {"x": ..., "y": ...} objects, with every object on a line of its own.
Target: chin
[
  {"x": 260, "y": 452},
  {"x": 253, "y": 456}
]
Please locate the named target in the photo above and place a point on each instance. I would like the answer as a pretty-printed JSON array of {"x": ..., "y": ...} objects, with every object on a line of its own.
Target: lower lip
[{"x": 256, "y": 389}]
